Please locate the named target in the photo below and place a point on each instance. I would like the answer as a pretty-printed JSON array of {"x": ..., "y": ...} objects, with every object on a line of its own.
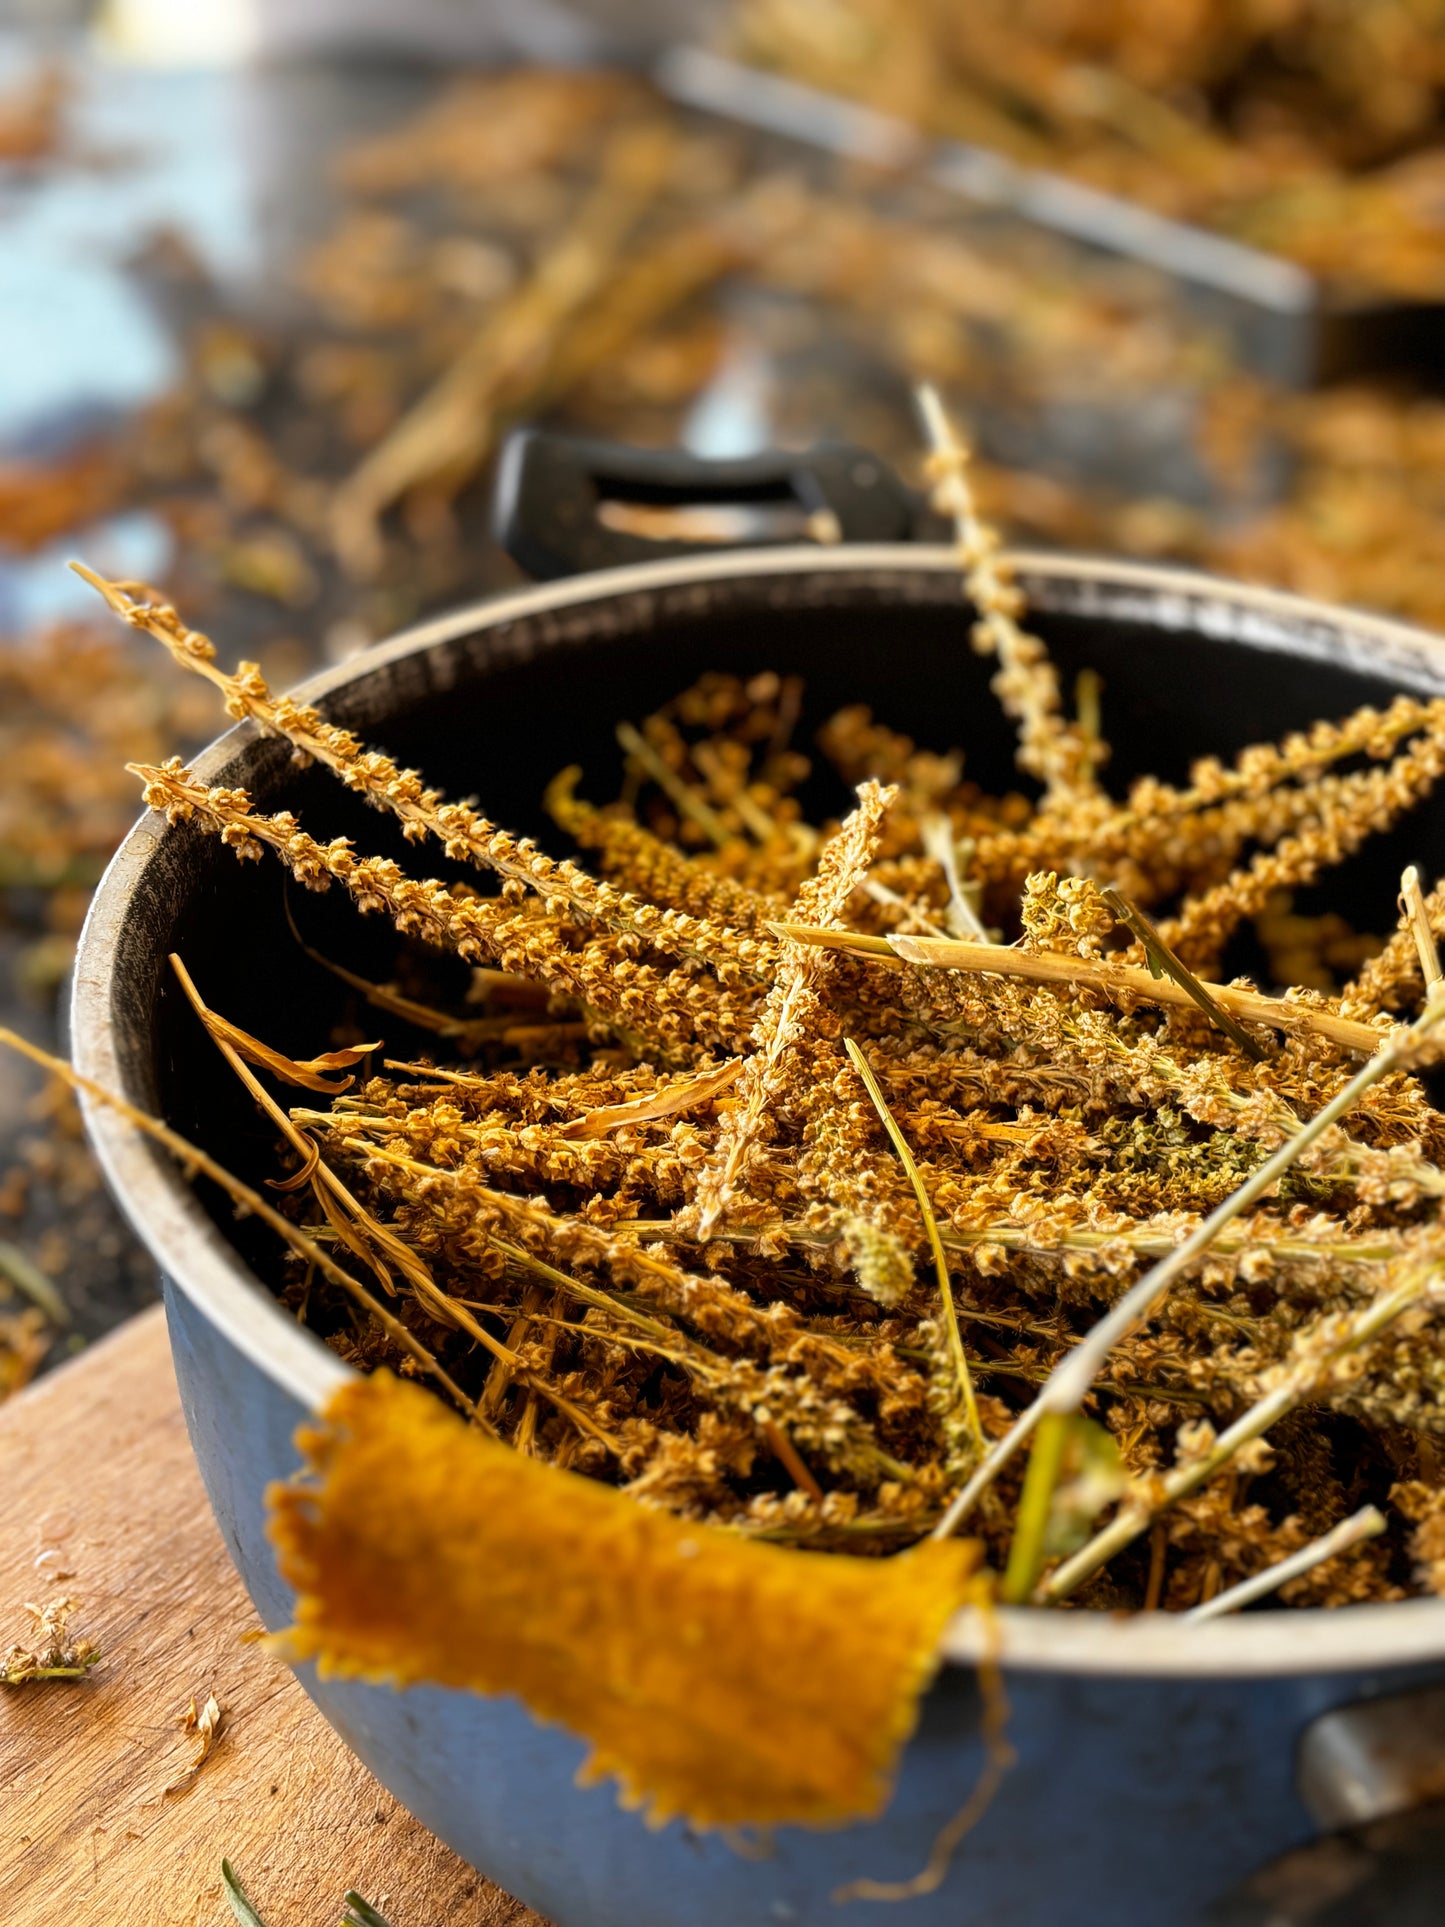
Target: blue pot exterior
[{"x": 1134, "y": 1803}]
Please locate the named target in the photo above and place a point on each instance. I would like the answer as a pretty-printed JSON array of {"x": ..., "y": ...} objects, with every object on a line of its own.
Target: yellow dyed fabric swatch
[{"x": 729, "y": 1682}]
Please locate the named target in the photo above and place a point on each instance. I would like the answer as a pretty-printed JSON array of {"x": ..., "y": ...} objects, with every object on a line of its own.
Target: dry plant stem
[
  {"x": 1012, "y": 1237},
  {"x": 960, "y": 915},
  {"x": 317, "y": 1171},
  {"x": 1068, "y": 1384},
  {"x": 1089, "y": 709},
  {"x": 1162, "y": 962},
  {"x": 734, "y": 792},
  {"x": 1131, "y": 1520},
  {"x": 686, "y": 801},
  {"x": 853, "y": 943},
  {"x": 1368, "y": 1523},
  {"x": 913, "y": 918},
  {"x": 589, "y": 1294},
  {"x": 1158, "y": 1553},
  {"x": 428, "y": 910},
  {"x": 192, "y": 1159},
  {"x": 671, "y": 1354},
  {"x": 1412, "y": 907},
  {"x": 463, "y": 832},
  {"x": 1054, "y": 967},
  {"x": 499, "y": 1374},
  {"x": 469, "y": 1033},
  {"x": 1026, "y": 1550},
  {"x": 930, "y": 1226},
  {"x": 789, "y": 1458},
  {"x": 360, "y": 1231},
  {"x": 1027, "y": 684}
]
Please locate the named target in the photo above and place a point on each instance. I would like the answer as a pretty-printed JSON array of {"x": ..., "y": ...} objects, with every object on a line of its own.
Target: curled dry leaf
[
  {"x": 204, "y": 1726},
  {"x": 307, "y": 1073}
]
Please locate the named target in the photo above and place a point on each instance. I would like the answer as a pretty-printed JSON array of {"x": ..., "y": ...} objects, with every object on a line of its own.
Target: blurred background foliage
[{"x": 276, "y": 279}]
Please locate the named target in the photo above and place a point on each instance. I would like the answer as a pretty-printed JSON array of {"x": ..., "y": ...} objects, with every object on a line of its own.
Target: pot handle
[
  {"x": 563, "y": 505},
  {"x": 1373, "y": 1771},
  {"x": 1389, "y": 1873}
]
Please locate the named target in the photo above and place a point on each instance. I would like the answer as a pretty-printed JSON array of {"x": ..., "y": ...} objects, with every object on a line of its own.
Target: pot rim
[{"x": 192, "y": 1252}]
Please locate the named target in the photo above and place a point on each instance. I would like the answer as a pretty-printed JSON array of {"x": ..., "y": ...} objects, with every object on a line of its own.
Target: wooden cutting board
[{"x": 100, "y": 1502}]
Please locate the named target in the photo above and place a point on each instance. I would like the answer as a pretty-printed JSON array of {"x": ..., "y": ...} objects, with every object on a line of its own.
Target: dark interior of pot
[{"x": 496, "y": 712}]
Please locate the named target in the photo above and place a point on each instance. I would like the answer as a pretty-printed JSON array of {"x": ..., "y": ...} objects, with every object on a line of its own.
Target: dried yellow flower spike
[{"x": 729, "y": 1682}]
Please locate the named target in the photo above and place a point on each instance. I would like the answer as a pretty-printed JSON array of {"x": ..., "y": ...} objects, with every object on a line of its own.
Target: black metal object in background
[
  {"x": 1390, "y": 1873},
  {"x": 564, "y": 504},
  {"x": 1285, "y": 323}
]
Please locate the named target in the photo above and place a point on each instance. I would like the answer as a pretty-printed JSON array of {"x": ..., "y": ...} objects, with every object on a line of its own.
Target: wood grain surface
[{"x": 100, "y": 1501}]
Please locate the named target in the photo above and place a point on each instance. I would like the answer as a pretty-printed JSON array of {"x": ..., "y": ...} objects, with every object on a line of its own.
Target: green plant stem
[
  {"x": 930, "y": 1226},
  {"x": 240, "y": 1902},
  {"x": 360, "y": 1913},
  {"x": 29, "y": 1279},
  {"x": 1026, "y": 1551},
  {"x": 672, "y": 786}
]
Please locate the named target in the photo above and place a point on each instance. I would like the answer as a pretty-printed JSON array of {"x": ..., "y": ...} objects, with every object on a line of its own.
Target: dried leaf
[
  {"x": 734, "y": 1683},
  {"x": 304, "y": 1072},
  {"x": 205, "y": 1728},
  {"x": 683, "y": 1094}
]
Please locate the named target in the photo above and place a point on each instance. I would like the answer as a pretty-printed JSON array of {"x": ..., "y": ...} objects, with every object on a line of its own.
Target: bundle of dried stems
[{"x": 778, "y": 1192}]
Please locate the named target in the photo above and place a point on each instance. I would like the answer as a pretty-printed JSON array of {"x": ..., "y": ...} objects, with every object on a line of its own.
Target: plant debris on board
[
  {"x": 358, "y": 1912},
  {"x": 50, "y": 1651},
  {"x": 202, "y": 1724}
]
